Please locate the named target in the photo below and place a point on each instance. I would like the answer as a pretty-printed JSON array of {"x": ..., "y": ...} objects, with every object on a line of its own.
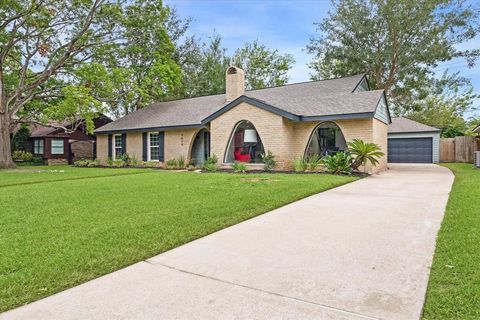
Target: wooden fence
[{"x": 458, "y": 149}]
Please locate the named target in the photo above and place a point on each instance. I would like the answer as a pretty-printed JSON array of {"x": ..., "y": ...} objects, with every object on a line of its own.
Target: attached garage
[{"x": 412, "y": 142}]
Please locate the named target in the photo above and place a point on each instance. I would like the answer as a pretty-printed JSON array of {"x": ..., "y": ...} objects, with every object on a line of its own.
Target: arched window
[
  {"x": 244, "y": 145},
  {"x": 326, "y": 138}
]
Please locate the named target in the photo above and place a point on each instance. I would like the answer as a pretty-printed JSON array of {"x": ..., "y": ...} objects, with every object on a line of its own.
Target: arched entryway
[
  {"x": 200, "y": 148},
  {"x": 326, "y": 138},
  {"x": 244, "y": 144}
]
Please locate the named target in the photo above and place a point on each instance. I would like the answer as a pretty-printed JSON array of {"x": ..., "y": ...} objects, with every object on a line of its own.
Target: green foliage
[
  {"x": 446, "y": 105},
  {"x": 269, "y": 160},
  {"x": 172, "y": 163},
  {"x": 20, "y": 155},
  {"x": 211, "y": 164},
  {"x": 134, "y": 162},
  {"x": 141, "y": 68},
  {"x": 340, "y": 162},
  {"x": 313, "y": 161},
  {"x": 203, "y": 67},
  {"x": 396, "y": 43},
  {"x": 308, "y": 163},
  {"x": 181, "y": 162},
  {"x": 263, "y": 67},
  {"x": 86, "y": 163},
  {"x": 119, "y": 163},
  {"x": 126, "y": 159},
  {"x": 300, "y": 164},
  {"x": 20, "y": 139},
  {"x": 453, "y": 287},
  {"x": 239, "y": 167},
  {"x": 364, "y": 152},
  {"x": 105, "y": 215},
  {"x": 109, "y": 161},
  {"x": 149, "y": 164}
]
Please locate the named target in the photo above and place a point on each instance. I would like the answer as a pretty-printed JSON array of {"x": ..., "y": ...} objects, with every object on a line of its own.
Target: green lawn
[
  {"x": 54, "y": 235},
  {"x": 454, "y": 286},
  {"x": 36, "y": 174}
]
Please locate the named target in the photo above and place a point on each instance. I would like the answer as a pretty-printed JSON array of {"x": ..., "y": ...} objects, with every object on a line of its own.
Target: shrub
[
  {"x": 313, "y": 161},
  {"x": 172, "y": 163},
  {"x": 126, "y": 159},
  {"x": 149, "y": 164},
  {"x": 269, "y": 160},
  {"x": 37, "y": 160},
  {"x": 93, "y": 163},
  {"x": 134, "y": 161},
  {"x": 364, "y": 152},
  {"x": 23, "y": 156},
  {"x": 211, "y": 164},
  {"x": 20, "y": 138},
  {"x": 337, "y": 163},
  {"x": 181, "y": 162},
  {"x": 109, "y": 162},
  {"x": 239, "y": 167},
  {"x": 300, "y": 165},
  {"x": 119, "y": 163},
  {"x": 81, "y": 163}
]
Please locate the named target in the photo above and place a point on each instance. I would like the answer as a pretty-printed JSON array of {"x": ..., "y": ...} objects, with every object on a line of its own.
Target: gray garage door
[{"x": 410, "y": 150}]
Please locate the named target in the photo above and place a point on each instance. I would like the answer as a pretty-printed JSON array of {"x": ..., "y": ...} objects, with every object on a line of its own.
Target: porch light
[{"x": 250, "y": 135}]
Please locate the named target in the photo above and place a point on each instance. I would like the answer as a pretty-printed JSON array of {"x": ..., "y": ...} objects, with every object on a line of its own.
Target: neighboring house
[
  {"x": 56, "y": 146},
  {"x": 413, "y": 142},
  {"x": 291, "y": 121}
]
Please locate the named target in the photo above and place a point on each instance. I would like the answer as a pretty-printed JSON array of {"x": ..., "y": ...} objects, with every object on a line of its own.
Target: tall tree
[
  {"x": 263, "y": 67},
  {"x": 41, "y": 41},
  {"x": 446, "y": 105},
  {"x": 140, "y": 68},
  {"x": 396, "y": 42},
  {"x": 204, "y": 66}
]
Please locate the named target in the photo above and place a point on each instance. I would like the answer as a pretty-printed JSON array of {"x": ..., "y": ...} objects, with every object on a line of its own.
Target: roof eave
[
  {"x": 416, "y": 131},
  {"x": 157, "y": 128},
  {"x": 343, "y": 116}
]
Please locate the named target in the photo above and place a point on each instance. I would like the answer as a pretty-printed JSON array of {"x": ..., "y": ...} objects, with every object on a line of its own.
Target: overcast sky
[{"x": 283, "y": 25}]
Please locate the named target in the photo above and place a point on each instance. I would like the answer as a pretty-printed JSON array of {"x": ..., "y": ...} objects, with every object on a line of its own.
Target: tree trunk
[{"x": 5, "y": 149}]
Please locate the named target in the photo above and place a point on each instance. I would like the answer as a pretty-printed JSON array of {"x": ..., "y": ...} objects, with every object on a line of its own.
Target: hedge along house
[{"x": 291, "y": 121}]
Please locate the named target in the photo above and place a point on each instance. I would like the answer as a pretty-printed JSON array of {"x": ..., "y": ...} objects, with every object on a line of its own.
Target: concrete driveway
[{"x": 360, "y": 251}]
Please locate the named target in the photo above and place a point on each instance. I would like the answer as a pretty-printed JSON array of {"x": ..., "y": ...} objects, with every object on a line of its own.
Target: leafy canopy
[{"x": 396, "y": 43}]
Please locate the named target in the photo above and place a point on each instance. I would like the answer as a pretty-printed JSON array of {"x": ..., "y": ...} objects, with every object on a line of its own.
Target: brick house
[
  {"x": 291, "y": 121},
  {"x": 56, "y": 146}
]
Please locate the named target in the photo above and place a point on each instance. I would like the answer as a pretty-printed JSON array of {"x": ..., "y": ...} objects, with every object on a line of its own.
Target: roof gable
[{"x": 400, "y": 125}]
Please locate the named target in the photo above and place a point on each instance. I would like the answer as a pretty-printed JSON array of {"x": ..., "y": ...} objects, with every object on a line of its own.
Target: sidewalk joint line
[{"x": 267, "y": 292}]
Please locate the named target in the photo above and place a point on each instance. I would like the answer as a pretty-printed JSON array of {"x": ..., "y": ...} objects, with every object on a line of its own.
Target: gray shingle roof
[
  {"x": 400, "y": 125},
  {"x": 315, "y": 98}
]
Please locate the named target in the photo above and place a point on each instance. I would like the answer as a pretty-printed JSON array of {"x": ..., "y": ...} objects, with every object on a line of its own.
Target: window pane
[
  {"x": 153, "y": 139},
  {"x": 154, "y": 153},
  {"x": 118, "y": 141},
  {"x": 154, "y": 146},
  {"x": 38, "y": 146},
  {"x": 118, "y": 147},
  {"x": 57, "y": 147}
]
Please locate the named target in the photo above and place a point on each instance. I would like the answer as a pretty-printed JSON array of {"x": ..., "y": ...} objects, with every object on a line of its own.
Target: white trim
[
  {"x": 51, "y": 147},
  {"x": 149, "y": 146},
  {"x": 114, "y": 145}
]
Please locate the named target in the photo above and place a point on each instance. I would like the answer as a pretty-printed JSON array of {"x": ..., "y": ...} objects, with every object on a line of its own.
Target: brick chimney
[{"x": 235, "y": 83}]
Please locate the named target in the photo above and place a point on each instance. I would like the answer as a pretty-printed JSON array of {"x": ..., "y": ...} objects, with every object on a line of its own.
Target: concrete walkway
[{"x": 360, "y": 251}]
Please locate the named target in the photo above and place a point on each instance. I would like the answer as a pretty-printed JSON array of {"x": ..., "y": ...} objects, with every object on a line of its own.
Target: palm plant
[{"x": 364, "y": 152}]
